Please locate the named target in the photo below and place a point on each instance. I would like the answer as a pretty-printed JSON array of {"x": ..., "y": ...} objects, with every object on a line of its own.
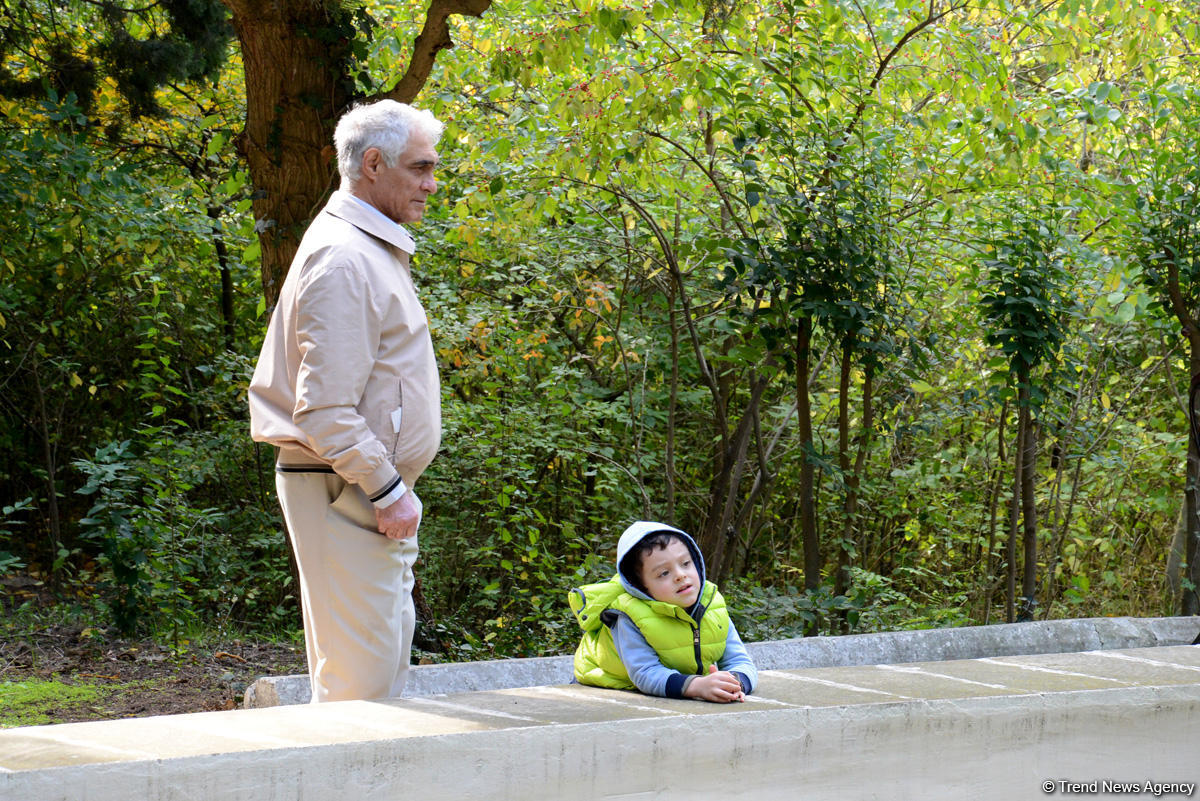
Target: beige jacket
[{"x": 347, "y": 378}]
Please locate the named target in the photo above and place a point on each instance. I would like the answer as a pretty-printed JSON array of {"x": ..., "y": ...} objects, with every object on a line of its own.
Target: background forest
[{"x": 889, "y": 302}]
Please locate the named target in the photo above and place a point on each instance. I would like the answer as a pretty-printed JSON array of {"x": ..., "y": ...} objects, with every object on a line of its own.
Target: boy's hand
[{"x": 720, "y": 686}]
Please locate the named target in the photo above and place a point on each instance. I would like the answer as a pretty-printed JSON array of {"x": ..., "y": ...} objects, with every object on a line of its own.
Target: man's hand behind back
[{"x": 399, "y": 521}]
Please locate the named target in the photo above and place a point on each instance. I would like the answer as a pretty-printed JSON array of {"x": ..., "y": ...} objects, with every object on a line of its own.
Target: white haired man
[{"x": 347, "y": 388}]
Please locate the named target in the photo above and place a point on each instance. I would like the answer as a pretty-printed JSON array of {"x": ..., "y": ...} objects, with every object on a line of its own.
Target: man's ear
[{"x": 371, "y": 161}]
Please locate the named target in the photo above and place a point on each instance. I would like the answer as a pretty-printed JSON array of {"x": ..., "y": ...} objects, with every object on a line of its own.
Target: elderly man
[{"x": 347, "y": 388}]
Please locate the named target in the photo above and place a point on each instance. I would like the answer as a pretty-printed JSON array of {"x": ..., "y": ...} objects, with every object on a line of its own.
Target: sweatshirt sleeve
[
  {"x": 646, "y": 670},
  {"x": 738, "y": 662}
]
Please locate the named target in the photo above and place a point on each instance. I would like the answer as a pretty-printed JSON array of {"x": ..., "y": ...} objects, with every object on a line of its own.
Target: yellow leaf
[{"x": 1104, "y": 400}]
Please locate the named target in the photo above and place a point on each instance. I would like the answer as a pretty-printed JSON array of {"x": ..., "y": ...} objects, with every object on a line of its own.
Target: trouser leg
[{"x": 356, "y": 589}]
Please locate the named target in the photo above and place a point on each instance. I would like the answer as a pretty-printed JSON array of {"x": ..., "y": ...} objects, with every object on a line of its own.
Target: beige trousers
[{"x": 355, "y": 589}]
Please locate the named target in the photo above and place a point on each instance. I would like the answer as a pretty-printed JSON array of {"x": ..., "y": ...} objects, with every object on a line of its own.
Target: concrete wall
[
  {"x": 990, "y": 728},
  {"x": 926, "y": 645}
]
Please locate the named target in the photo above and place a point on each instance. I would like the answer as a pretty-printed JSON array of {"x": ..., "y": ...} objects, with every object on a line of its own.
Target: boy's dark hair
[{"x": 631, "y": 563}]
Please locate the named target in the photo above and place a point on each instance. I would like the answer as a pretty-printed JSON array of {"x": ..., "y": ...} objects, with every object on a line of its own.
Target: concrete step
[{"x": 1003, "y": 727}]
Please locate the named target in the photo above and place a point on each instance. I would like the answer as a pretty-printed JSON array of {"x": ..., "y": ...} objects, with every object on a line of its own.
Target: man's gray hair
[{"x": 386, "y": 125}]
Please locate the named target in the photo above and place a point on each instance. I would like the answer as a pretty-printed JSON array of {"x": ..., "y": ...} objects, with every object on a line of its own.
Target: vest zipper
[{"x": 697, "y": 615}]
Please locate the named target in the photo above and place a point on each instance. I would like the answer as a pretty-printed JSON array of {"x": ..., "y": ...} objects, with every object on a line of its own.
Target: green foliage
[
  {"x": 781, "y": 611},
  {"x": 777, "y": 612},
  {"x": 145, "y": 532},
  {"x": 9, "y": 530},
  {"x": 164, "y": 561},
  {"x": 176, "y": 546},
  {"x": 540, "y": 493},
  {"x": 1167, "y": 229},
  {"x": 663, "y": 144},
  {"x": 103, "y": 316},
  {"x": 640, "y": 202},
  {"x": 139, "y": 47},
  {"x": 1027, "y": 294}
]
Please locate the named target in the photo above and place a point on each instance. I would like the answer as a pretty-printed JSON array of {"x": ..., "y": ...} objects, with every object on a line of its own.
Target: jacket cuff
[
  {"x": 391, "y": 495},
  {"x": 743, "y": 680},
  {"x": 676, "y": 684}
]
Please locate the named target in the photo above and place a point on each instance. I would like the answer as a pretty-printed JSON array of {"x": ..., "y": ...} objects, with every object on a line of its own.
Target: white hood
[{"x": 639, "y": 531}]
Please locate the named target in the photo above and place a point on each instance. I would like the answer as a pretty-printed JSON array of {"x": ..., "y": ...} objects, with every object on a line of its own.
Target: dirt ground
[
  {"x": 121, "y": 678},
  {"x": 139, "y": 678}
]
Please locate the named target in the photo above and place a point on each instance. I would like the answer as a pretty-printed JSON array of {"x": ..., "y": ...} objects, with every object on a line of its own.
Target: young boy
[{"x": 657, "y": 625}]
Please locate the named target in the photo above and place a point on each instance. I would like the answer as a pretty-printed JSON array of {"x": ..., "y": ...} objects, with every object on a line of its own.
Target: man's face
[
  {"x": 670, "y": 575},
  {"x": 400, "y": 191}
]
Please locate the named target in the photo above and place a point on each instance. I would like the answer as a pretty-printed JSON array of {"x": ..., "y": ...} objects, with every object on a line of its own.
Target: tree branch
[
  {"x": 931, "y": 18},
  {"x": 434, "y": 38}
]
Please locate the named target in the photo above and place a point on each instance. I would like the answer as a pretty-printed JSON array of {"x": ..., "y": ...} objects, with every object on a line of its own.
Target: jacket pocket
[{"x": 396, "y": 419}]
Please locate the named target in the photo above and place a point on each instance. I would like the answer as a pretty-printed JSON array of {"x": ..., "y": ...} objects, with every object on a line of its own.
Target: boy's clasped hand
[{"x": 719, "y": 685}]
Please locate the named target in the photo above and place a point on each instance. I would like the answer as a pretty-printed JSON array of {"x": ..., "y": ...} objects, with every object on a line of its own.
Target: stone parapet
[{"x": 924, "y": 645}]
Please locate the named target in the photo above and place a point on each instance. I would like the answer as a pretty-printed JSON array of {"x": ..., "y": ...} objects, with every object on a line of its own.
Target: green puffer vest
[{"x": 668, "y": 629}]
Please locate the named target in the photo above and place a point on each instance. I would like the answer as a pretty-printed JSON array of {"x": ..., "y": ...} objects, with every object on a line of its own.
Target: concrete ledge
[
  {"x": 926, "y": 645},
  {"x": 974, "y": 642},
  {"x": 992, "y": 728}
]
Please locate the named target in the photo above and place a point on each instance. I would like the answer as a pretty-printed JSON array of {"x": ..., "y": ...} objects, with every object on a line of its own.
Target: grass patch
[{"x": 34, "y": 702}]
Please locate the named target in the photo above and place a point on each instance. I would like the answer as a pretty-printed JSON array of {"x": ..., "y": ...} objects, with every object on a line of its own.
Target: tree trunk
[
  {"x": 1010, "y": 596},
  {"x": 808, "y": 517},
  {"x": 1029, "y": 516},
  {"x": 296, "y": 63},
  {"x": 997, "y": 486},
  {"x": 718, "y": 531},
  {"x": 865, "y": 438},
  {"x": 845, "y": 544},
  {"x": 1189, "y": 602},
  {"x": 672, "y": 408},
  {"x": 50, "y": 456},
  {"x": 227, "y": 310}
]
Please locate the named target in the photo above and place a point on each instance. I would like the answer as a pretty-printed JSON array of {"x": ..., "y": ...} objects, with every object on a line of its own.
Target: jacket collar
[{"x": 366, "y": 217}]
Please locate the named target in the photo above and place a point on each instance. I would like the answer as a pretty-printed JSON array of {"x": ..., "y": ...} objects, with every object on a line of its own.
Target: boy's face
[{"x": 670, "y": 575}]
